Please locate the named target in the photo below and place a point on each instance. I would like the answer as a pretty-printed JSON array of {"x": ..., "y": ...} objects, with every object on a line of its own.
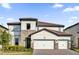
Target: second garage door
[
  {"x": 43, "y": 44},
  {"x": 62, "y": 44}
]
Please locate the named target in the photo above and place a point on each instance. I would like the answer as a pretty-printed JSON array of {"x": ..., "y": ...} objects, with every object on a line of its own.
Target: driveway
[{"x": 54, "y": 52}]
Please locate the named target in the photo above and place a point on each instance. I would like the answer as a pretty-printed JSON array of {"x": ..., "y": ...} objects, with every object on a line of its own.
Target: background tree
[
  {"x": 0, "y": 37},
  {"x": 5, "y": 38}
]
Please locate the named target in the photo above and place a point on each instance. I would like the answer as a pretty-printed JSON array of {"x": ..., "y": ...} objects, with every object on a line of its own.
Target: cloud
[
  {"x": 75, "y": 8},
  {"x": 6, "y": 5},
  {"x": 57, "y": 5},
  {"x": 73, "y": 19},
  {"x": 10, "y": 19}
]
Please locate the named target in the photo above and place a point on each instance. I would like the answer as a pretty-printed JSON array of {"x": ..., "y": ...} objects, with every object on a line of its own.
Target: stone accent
[{"x": 24, "y": 35}]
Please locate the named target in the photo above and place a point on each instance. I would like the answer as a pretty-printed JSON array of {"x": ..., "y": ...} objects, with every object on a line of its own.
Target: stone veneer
[{"x": 24, "y": 35}]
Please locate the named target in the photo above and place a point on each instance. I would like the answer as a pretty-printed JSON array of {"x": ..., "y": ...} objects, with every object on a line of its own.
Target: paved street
[{"x": 54, "y": 52}]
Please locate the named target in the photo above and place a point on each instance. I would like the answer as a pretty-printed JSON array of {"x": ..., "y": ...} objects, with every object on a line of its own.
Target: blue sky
[{"x": 66, "y": 14}]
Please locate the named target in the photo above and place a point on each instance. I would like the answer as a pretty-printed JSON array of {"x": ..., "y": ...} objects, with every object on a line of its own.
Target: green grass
[
  {"x": 27, "y": 52},
  {"x": 76, "y": 49}
]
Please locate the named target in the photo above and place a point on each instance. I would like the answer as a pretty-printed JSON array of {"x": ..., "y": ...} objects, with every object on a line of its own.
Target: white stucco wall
[
  {"x": 52, "y": 28},
  {"x": 33, "y": 25}
]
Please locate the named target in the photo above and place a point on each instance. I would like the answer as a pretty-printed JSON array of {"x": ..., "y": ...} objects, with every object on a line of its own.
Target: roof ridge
[
  {"x": 4, "y": 27},
  {"x": 49, "y": 22}
]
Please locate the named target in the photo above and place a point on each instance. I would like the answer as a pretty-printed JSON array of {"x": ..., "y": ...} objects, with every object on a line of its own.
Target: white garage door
[
  {"x": 62, "y": 44},
  {"x": 43, "y": 44}
]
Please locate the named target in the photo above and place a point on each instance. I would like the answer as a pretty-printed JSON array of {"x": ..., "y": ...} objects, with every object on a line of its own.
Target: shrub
[{"x": 14, "y": 48}]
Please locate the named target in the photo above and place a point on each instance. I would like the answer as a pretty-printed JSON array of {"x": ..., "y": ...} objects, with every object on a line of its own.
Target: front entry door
[{"x": 28, "y": 42}]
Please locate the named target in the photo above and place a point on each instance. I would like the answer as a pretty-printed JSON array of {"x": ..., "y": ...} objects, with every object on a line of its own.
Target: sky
[{"x": 60, "y": 13}]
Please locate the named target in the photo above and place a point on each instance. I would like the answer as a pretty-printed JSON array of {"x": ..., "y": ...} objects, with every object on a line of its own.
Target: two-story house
[
  {"x": 74, "y": 30},
  {"x": 30, "y": 32}
]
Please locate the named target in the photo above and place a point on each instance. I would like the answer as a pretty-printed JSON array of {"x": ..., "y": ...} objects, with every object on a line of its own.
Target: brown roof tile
[
  {"x": 42, "y": 24},
  {"x": 58, "y": 33},
  {"x": 28, "y": 19}
]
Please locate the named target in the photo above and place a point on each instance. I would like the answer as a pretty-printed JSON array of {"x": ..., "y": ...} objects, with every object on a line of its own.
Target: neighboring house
[
  {"x": 30, "y": 32},
  {"x": 2, "y": 28},
  {"x": 74, "y": 30}
]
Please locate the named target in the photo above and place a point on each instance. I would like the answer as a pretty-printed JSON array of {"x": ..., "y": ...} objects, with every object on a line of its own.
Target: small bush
[{"x": 14, "y": 48}]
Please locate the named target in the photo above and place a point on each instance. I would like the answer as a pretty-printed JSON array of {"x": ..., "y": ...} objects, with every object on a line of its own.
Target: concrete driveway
[{"x": 54, "y": 52}]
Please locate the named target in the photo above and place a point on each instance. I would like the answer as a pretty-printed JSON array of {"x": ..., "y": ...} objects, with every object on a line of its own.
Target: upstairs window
[{"x": 28, "y": 26}]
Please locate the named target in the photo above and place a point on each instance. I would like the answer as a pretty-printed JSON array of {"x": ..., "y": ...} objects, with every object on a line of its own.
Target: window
[
  {"x": 16, "y": 41},
  {"x": 28, "y": 26}
]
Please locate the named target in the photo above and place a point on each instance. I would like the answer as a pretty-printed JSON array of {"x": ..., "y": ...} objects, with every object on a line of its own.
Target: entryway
[{"x": 28, "y": 42}]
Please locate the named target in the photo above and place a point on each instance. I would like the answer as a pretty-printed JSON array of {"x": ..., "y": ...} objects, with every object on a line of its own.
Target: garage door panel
[
  {"x": 43, "y": 44},
  {"x": 62, "y": 44}
]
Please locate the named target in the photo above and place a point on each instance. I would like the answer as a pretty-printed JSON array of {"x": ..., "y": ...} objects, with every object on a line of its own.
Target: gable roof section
[
  {"x": 71, "y": 26},
  {"x": 58, "y": 33},
  {"x": 4, "y": 27},
  {"x": 42, "y": 24}
]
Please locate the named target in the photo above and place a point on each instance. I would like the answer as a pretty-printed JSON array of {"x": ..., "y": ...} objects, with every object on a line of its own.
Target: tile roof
[
  {"x": 42, "y": 24},
  {"x": 58, "y": 33},
  {"x": 39, "y": 24},
  {"x": 28, "y": 19}
]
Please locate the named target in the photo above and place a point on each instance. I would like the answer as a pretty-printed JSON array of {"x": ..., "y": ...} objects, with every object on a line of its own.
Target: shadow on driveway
[{"x": 54, "y": 52}]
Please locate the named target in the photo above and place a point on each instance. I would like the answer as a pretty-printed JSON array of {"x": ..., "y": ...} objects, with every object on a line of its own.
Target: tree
[
  {"x": 0, "y": 37},
  {"x": 5, "y": 38}
]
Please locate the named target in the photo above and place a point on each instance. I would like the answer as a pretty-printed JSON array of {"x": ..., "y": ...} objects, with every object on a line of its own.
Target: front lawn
[
  {"x": 76, "y": 49},
  {"x": 27, "y": 52}
]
